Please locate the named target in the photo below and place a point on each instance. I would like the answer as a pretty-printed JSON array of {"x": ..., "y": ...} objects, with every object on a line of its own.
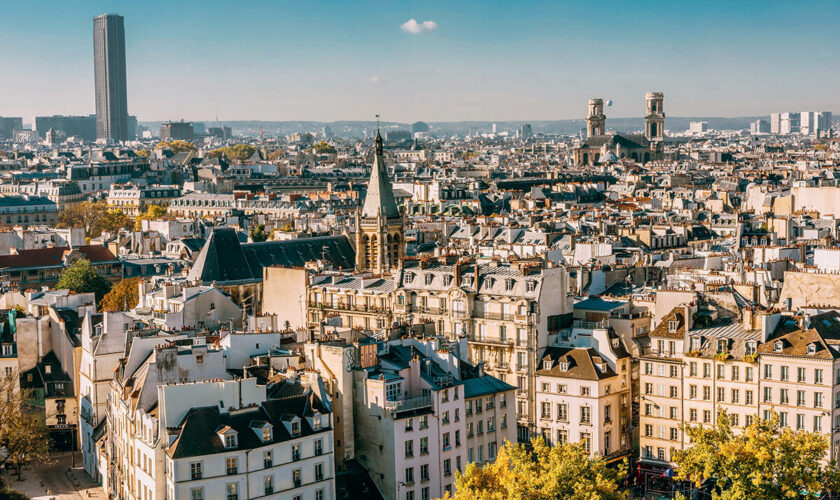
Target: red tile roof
[{"x": 44, "y": 257}]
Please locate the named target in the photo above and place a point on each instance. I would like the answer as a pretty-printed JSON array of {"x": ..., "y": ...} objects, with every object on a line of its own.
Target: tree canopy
[
  {"x": 765, "y": 460},
  {"x": 81, "y": 277},
  {"x": 122, "y": 296},
  {"x": 94, "y": 217},
  {"x": 143, "y": 153},
  {"x": 258, "y": 233},
  {"x": 23, "y": 432},
  {"x": 322, "y": 147},
  {"x": 176, "y": 146},
  {"x": 566, "y": 471},
  {"x": 239, "y": 152},
  {"x": 153, "y": 212}
]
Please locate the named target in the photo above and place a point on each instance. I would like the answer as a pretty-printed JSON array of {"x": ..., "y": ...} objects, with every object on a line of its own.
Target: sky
[{"x": 447, "y": 60}]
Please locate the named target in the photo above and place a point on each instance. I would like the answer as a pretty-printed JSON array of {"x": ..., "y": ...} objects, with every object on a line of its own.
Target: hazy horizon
[{"x": 436, "y": 61}]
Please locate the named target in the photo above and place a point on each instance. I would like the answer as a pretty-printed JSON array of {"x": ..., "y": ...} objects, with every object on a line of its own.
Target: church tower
[
  {"x": 654, "y": 117},
  {"x": 380, "y": 228},
  {"x": 596, "y": 121}
]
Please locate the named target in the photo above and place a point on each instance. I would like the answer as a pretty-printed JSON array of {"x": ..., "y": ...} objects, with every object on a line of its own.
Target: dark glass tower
[{"x": 109, "y": 72}]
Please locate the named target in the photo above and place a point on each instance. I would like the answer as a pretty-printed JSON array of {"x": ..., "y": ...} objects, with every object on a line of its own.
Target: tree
[
  {"x": 143, "y": 153},
  {"x": 765, "y": 460},
  {"x": 566, "y": 471},
  {"x": 153, "y": 212},
  {"x": 323, "y": 148},
  {"x": 258, "y": 233},
  {"x": 176, "y": 146},
  {"x": 122, "y": 296},
  {"x": 88, "y": 215},
  {"x": 239, "y": 152},
  {"x": 81, "y": 277},
  {"x": 115, "y": 220},
  {"x": 23, "y": 433}
]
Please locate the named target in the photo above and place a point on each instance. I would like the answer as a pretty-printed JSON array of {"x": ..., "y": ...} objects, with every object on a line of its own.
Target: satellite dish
[{"x": 609, "y": 102}]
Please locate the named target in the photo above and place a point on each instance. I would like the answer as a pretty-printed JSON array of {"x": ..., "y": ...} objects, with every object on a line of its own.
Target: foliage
[
  {"x": 240, "y": 152},
  {"x": 721, "y": 356},
  {"x": 273, "y": 155},
  {"x": 22, "y": 433},
  {"x": 143, "y": 153},
  {"x": 176, "y": 146},
  {"x": 88, "y": 215},
  {"x": 81, "y": 277},
  {"x": 564, "y": 471},
  {"x": 122, "y": 297},
  {"x": 258, "y": 233},
  {"x": 115, "y": 220},
  {"x": 751, "y": 358},
  {"x": 323, "y": 148},
  {"x": 766, "y": 460},
  {"x": 153, "y": 212}
]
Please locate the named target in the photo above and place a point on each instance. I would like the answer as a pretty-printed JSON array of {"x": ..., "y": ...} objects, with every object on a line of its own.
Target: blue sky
[{"x": 483, "y": 60}]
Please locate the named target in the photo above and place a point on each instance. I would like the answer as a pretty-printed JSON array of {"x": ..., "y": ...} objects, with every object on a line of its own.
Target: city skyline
[{"x": 432, "y": 62}]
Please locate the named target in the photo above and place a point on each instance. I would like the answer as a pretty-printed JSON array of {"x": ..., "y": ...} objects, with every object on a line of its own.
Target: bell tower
[
  {"x": 380, "y": 227},
  {"x": 596, "y": 120},
  {"x": 654, "y": 117}
]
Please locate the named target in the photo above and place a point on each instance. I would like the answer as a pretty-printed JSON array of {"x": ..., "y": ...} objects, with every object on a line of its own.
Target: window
[
  {"x": 424, "y": 446},
  {"x": 319, "y": 447},
  {"x": 585, "y": 414},
  {"x": 707, "y": 416},
  {"x": 768, "y": 394},
  {"x": 447, "y": 466},
  {"x": 266, "y": 434},
  {"x": 230, "y": 440},
  {"x": 817, "y": 423},
  {"x": 409, "y": 448},
  {"x": 295, "y": 428},
  {"x": 195, "y": 470},
  {"x": 424, "y": 493},
  {"x": 818, "y": 400},
  {"x": 736, "y": 373},
  {"x": 232, "y": 491},
  {"x": 424, "y": 472},
  {"x": 231, "y": 466},
  {"x": 268, "y": 459},
  {"x": 545, "y": 410},
  {"x": 268, "y": 485},
  {"x": 720, "y": 373},
  {"x": 785, "y": 375},
  {"x": 692, "y": 392},
  {"x": 692, "y": 369},
  {"x": 586, "y": 441},
  {"x": 707, "y": 370},
  {"x": 783, "y": 396},
  {"x": 748, "y": 374},
  {"x": 409, "y": 475},
  {"x": 295, "y": 452},
  {"x": 748, "y": 397},
  {"x": 674, "y": 435},
  {"x": 768, "y": 371},
  {"x": 707, "y": 393},
  {"x": 392, "y": 391},
  {"x": 296, "y": 481},
  {"x": 446, "y": 443},
  {"x": 800, "y": 374},
  {"x": 750, "y": 348},
  {"x": 672, "y": 326},
  {"x": 800, "y": 398},
  {"x": 692, "y": 414},
  {"x": 818, "y": 376},
  {"x": 197, "y": 494}
]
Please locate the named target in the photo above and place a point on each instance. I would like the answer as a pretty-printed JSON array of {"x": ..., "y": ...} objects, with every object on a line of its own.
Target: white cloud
[
  {"x": 415, "y": 28},
  {"x": 374, "y": 80}
]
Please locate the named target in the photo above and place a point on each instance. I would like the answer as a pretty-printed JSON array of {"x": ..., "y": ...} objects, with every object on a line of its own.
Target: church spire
[
  {"x": 380, "y": 193},
  {"x": 380, "y": 149}
]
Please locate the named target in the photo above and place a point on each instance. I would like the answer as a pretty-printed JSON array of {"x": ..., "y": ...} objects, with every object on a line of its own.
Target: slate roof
[
  {"x": 581, "y": 363},
  {"x": 483, "y": 385},
  {"x": 380, "y": 194},
  {"x": 612, "y": 140},
  {"x": 224, "y": 258}
]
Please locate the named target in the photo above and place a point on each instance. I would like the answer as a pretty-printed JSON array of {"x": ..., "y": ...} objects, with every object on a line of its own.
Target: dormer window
[
  {"x": 409, "y": 277},
  {"x": 564, "y": 366},
  {"x": 229, "y": 437},
  {"x": 546, "y": 365},
  {"x": 509, "y": 284},
  {"x": 531, "y": 286},
  {"x": 673, "y": 325},
  {"x": 694, "y": 344},
  {"x": 812, "y": 348},
  {"x": 447, "y": 280},
  {"x": 296, "y": 428},
  {"x": 316, "y": 421},
  {"x": 429, "y": 278},
  {"x": 778, "y": 346},
  {"x": 750, "y": 348},
  {"x": 723, "y": 346}
]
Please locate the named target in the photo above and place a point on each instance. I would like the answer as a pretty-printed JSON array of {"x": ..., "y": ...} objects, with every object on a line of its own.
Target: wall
[{"x": 284, "y": 294}]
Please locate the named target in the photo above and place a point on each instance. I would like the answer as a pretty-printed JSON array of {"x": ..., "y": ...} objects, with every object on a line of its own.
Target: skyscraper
[{"x": 109, "y": 71}]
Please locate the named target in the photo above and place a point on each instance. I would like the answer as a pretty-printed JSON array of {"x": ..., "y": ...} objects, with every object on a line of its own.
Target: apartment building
[
  {"x": 583, "y": 397},
  {"x": 360, "y": 301},
  {"x": 229, "y": 439},
  {"x": 505, "y": 311},
  {"x": 421, "y": 413}
]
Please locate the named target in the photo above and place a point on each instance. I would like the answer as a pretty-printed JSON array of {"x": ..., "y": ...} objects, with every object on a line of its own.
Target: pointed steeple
[{"x": 380, "y": 193}]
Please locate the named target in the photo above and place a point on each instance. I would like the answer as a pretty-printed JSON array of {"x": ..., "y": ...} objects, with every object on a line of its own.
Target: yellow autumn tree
[
  {"x": 544, "y": 472},
  {"x": 765, "y": 460}
]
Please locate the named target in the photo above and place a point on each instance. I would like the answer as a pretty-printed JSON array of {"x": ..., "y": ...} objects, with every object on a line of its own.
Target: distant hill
[{"x": 562, "y": 127}]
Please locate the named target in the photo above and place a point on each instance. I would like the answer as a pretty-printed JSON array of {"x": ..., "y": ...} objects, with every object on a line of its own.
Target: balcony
[
  {"x": 656, "y": 353},
  {"x": 364, "y": 308},
  {"x": 492, "y": 341},
  {"x": 498, "y": 316},
  {"x": 408, "y": 404},
  {"x": 528, "y": 319},
  {"x": 590, "y": 325},
  {"x": 635, "y": 315},
  {"x": 460, "y": 314}
]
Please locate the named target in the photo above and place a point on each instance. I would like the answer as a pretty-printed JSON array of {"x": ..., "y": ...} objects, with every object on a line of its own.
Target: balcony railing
[
  {"x": 589, "y": 325},
  {"x": 408, "y": 404},
  {"x": 660, "y": 353},
  {"x": 499, "y": 316},
  {"x": 429, "y": 310},
  {"x": 491, "y": 340},
  {"x": 349, "y": 307},
  {"x": 635, "y": 315}
]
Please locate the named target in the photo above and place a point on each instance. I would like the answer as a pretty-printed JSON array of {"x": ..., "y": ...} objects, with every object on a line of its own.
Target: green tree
[
  {"x": 122, "y": 296},
  {"x": 258, "y": 233},
  {"x": 176, "y": 146},
  {"x": 23, "y": 433},
  {"x": 765, "y": 460},
  {"x": 566, "y": 471},
  {"x": 81, "y": 277}
]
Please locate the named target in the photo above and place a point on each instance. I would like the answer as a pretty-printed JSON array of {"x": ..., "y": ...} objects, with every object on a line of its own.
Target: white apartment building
[
  {"x": 228, "y": 439},
  {"x": 421, "y": 413}
]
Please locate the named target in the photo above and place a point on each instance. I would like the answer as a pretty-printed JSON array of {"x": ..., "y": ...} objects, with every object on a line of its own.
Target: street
[{"x": 55, "y": 480}]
